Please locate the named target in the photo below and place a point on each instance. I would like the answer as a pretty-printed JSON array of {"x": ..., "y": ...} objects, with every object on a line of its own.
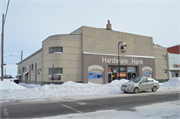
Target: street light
[
  {"x": 123, "y": 50},
  {"x": 15, "y": 56}
]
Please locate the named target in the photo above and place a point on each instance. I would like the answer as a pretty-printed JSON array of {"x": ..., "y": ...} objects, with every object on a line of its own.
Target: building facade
[
  {"x": 174, "y": 61},
  {"x": 91, "y": 54}
]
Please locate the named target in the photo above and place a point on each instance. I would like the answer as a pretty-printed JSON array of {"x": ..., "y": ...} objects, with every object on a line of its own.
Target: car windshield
[{"x": 136, "y": 80}]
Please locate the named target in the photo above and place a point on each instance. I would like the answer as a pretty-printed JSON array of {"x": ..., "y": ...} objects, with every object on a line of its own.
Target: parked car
[
  {"x": 140, "y": 84},
  {"x": 16, "y": 80}
]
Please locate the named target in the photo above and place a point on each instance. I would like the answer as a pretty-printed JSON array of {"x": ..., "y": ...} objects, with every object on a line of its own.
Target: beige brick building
[{"x": 91, "y": 54}]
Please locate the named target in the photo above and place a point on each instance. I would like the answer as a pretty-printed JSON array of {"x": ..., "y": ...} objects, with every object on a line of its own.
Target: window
[
  {"x": 150, "y": 80},
  {"x": 165, "y": 71},
  {"x": 144, "y": 80},
  {"x": 164, "y": 57},
  {"x": 32, "y": 67},
  {"x": 56, "y": 71},
  {"x": 55, "y": 49}
]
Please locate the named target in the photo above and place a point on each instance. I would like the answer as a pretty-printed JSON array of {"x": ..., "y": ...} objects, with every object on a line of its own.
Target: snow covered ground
[
  {"x": 11, "y": 90},
  {"x": 166, "y": 110}
]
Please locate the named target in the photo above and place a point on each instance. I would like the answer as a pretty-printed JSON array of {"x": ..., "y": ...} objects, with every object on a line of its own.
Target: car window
[
  {"x": 150, "y": 80},
  {"x": 144, "y": 80},
  {"x": 136, "y": 80}
]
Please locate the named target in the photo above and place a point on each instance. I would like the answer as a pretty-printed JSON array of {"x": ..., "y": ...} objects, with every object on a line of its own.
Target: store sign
[
  {"x": 121, "y": 74},
  {"x": 176, "y": 65},
  {"x": 146, "y": 74},
  {"x": 114, "y": 60},
  {"x": 93, "y": 75},
  {"x": 122, "y": 61}
]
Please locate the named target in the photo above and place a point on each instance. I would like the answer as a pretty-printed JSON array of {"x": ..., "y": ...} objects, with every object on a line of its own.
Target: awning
[{"x": 26, "y": 73}]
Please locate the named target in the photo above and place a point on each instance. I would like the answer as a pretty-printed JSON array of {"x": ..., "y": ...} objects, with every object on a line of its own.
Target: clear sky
[{"x": 29, "y": 22}]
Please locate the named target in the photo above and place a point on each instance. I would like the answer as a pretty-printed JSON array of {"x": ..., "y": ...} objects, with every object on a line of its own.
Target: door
[
  {"x": 143, "y": 84},
  {"x": 129, "y": 76},
  {"x": 176, "y": 74},
  {"x": 114, "y": 76},
  {"x": 109, "y": 77}
]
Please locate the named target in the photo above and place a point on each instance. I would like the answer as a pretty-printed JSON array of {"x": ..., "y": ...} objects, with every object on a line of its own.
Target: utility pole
[
  {"x": 2, "y": 50},
  {"x": 21, "y": 55}
]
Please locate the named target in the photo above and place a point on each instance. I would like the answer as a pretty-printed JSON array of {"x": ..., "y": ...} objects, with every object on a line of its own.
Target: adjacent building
[
  {"x": 174, "y": 61},
  {"x": 91, "y": 55}
]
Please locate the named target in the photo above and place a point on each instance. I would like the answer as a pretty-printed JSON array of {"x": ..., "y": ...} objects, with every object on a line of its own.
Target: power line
[{"x": 6, "y": 11}]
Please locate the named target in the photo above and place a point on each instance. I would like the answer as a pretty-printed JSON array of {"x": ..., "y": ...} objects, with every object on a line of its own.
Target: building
[
  {"x": 174, "y": 61},
  {"x": 91, "y": 54}
]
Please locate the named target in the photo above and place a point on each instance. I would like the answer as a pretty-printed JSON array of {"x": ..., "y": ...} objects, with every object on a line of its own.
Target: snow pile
[
  {"x": 67, "y": 89},
  {"x": 30, "y": 85},
  {"x": 6, "y": 84},
  {"x": 173, "y": 83}
]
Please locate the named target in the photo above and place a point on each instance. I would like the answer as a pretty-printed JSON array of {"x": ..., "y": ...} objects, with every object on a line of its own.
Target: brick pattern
[{"x": 98, "y": 43}]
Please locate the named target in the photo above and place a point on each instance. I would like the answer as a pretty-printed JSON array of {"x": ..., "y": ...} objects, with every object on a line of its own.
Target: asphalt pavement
[{"x": 48, "y": 107}]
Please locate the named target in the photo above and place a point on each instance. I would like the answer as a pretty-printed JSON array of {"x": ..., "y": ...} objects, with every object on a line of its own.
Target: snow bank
[
  {"x": 6, "y": 84},
  {"x": 67, "y": 89},
  {"x": 30, "y": 85},
  {"x": 173, "y": 83},
  {"x": 70, "y": 89}
]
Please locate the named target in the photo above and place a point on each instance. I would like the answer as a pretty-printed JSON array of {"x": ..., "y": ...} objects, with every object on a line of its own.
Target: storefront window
[
  {"x": 114, "y": 69},
  {"x": 131, "y": 69},
  {"x": 122, "y": 69}
]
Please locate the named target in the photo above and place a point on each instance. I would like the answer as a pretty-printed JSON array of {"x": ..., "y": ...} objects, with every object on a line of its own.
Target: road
[{"x": 48, "y": 107}]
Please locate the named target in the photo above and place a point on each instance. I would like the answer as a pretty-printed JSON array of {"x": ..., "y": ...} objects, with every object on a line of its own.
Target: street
[{"x": 32, "y": 109}]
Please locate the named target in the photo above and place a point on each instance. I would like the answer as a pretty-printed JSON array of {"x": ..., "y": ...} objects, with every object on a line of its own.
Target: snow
[
  {"x": 165, "y": 110},
  {"x": 9, "y": 85},
  {"x": 173, "y": 83},
  {"x": 30, "y": 85},
  {"x": 66, "y": 89},
  {"x": 11, "y": 90}
]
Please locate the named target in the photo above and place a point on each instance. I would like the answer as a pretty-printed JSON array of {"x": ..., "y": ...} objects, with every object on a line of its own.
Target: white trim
[
  {"x": 95, "y": 67},
  {"x": 147, "y": 68},
  {"x": 119, "y": 55},
  {"x": 174, "y": 68}
]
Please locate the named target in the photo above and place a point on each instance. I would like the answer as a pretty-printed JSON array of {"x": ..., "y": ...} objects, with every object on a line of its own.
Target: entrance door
[
  {"x": 176, "y": 74},
  {"x": 129, "y": 76},
  {"x": 114, "y": 76},
  {"x": 109, "y": 77}
]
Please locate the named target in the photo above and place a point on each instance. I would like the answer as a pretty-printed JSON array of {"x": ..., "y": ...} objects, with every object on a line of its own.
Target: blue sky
[{"x": 29, "y": 22}]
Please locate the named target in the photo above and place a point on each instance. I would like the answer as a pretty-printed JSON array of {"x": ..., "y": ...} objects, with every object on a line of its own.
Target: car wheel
[
  {"x": 154, "y": 89},
  {"x": 125, "y": 91},
  {"x": 136, "y": 90}
]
